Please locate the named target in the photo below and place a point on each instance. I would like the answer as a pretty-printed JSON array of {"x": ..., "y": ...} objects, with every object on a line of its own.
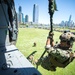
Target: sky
[{"x": 65, "y": 9}]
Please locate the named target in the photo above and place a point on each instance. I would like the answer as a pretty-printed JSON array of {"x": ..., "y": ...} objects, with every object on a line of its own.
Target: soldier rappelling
[{"x": 61, "y": 54}]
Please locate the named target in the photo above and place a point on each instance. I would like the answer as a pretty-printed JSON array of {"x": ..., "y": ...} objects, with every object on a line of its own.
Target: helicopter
[{"x": 12, "y": 61}]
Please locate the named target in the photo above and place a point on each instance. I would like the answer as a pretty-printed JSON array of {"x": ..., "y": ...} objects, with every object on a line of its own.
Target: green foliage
[{"x": 26, "y": 38}]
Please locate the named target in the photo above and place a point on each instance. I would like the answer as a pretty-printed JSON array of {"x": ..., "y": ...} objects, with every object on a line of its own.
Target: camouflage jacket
[{"x": 60, "y": 57}]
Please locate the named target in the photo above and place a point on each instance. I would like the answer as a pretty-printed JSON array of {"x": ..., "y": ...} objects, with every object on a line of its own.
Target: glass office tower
[
  {"x": 20, "y": 14},
  {"x": 35, "y": 13}
]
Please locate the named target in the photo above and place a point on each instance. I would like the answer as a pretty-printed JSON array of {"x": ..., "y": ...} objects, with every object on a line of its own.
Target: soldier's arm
[{"x": 50, "y": 41}]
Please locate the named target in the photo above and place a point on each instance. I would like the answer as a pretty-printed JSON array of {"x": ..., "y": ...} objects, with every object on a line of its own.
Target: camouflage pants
[{"x": 56, "y": 58}]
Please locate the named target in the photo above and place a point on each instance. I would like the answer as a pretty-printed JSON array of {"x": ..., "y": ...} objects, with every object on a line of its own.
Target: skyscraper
[
  {"x": 70, "y": 21},
  {"x": 70, "y": 18},
  {"x": 20, "y": 9},
  {"x": 26, "y": 18},
  {"x": 22, "y": 18},
  {"x": 35, "y": 13},
  {"x": 20, "y": 14}
]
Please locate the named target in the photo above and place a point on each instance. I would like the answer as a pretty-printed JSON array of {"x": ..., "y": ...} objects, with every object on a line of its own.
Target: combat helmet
[{"x": 68, "y": 37}]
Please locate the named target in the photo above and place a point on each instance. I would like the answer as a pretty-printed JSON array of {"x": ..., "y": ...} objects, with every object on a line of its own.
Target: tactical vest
[{"x": 56, "y": 58}]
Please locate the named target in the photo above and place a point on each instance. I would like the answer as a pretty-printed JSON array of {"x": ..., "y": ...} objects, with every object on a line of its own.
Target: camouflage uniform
[{"x": 59, "y": 56}]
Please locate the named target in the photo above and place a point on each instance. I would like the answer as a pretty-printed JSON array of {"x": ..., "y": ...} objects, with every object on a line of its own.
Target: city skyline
[
  {"x": 68, "y": 23},
  {"x": 65, "y": 9}
]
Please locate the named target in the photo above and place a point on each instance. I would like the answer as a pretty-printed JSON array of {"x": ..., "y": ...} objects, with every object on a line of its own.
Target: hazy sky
[{"x": 65, "y": 9}]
